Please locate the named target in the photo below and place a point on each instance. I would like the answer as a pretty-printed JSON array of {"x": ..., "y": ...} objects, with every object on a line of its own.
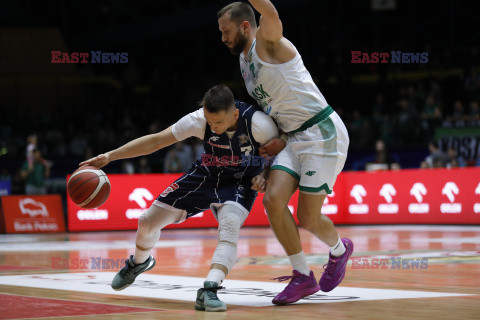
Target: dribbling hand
[{"x": 99, "y": 161}]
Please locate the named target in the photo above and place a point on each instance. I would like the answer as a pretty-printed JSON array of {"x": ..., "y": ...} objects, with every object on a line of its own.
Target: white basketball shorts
[{"x": 316, "y": 155}]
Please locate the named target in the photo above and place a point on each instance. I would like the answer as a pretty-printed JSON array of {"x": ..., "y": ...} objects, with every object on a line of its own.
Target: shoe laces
[
  {"x": 292, "y": 279},
  {"x": 127, "y": 270},
  {"x": 212, "y": 293},
  {"x": 331, "y": 266},
  {"x": 283, "y": 278}
]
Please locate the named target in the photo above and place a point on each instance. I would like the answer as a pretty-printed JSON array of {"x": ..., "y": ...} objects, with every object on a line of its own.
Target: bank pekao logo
[
  {"x": 476, "y": 206},
  {"x": 139, "y": 196},
  {"x": 388, "y": 192},
  {"x": 328, "y": 208},
  {"x": 418, "y": 190},
  {"x": 32, "y": 208},
  {"x": 450, "y": 190},
  {"x": 358, "y": 192}
]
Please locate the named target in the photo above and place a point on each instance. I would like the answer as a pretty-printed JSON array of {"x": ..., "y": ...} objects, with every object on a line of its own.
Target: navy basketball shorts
[{"x": 198, "y": 190}]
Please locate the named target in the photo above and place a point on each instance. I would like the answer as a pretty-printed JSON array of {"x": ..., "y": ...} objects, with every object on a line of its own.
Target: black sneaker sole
[
  {"x": 208, "y": 309},
  {"x": 121, "y": 288},
  {"x": 129, "y": 284}
]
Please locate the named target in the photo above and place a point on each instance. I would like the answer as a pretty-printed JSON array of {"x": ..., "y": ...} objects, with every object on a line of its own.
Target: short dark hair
[
  {"x": 239, "y": 12},
  {"x": 217, "y": 99}
]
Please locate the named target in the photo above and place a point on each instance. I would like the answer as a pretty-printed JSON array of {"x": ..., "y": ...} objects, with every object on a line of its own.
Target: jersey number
[{"x": 246, "y": 150}]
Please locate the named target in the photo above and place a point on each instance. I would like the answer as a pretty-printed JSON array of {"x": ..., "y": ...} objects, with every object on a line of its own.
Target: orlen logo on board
[
  {"x": 388, "y": 192},
  {"x": 450, "y": 190},
  {"x": 476, "y": 206},
  {"x": 328, "y": 208},
  {"x": 418, "y": 191},
  {"x": 140, "y": 196},
  {"x": 358, "y": 192}
]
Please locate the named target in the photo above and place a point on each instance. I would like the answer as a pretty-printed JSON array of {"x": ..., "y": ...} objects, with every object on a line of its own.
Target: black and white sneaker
[{"x": 127, "y": 275}]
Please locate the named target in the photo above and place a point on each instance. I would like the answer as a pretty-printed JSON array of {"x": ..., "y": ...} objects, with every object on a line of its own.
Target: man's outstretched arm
[
  {"x": 138, "y": 147},
  {"x": 270, "y": 28}
]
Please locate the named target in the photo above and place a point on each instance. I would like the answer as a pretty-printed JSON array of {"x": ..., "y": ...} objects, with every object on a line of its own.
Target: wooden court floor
[{"x": 397, "y": 272}]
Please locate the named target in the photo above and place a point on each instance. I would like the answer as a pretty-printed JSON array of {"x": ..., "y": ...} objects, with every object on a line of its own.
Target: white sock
[
  {"x": 299, "y": 263},
  {"x": 140, "y": 256},
  {"x": 338, "y": 249},
  {"x": 216, "y": 275},
  {"x": 147, "y": 241}
]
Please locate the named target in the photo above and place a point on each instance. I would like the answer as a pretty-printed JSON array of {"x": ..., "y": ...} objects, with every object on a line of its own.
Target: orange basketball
[{"x": 88, "y": 187}]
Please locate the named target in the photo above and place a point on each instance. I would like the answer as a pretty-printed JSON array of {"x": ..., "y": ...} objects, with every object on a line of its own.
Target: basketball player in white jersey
[{"x": 316, "y": 141}]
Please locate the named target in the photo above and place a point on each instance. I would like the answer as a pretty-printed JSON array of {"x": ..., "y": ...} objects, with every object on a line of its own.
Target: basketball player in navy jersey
[{"x": 225, "y": 180}]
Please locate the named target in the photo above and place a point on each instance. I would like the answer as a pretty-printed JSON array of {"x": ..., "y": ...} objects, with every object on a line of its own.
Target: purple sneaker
[
  {"x": 335, "y": 270},
  {"x": 299, "y": 287}
]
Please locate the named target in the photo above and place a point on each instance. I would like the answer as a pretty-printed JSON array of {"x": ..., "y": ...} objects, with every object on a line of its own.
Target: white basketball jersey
[{"x": 284, "y": 91}]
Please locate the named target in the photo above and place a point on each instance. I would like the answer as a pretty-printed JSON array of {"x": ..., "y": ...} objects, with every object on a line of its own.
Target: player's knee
[
  {"x": 272, "y": 204},
  {"x": 228, "y": 231},
  {"x": 306, "y": 220},
  {"x": 156, "y": 218},
  {"x": 314, "y": 222},
  {"x": 230, "y": 221},
  {"x": 144, "y": 222}
]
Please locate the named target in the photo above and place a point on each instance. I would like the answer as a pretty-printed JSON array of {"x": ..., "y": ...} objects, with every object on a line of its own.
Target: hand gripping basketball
[{"x": 99, "y": 161}]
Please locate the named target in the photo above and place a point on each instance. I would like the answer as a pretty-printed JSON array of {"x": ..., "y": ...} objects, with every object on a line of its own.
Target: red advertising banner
[
  {"x": 131, "y": 195},
  {"x": 443, "y": 196},
  {"x": 32, "y": 214}
]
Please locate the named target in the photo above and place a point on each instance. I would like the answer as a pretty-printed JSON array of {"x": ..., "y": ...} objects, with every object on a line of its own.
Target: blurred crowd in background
[
  {"x": 392, "y": 112},
  {"x": 105, "y": 118}
]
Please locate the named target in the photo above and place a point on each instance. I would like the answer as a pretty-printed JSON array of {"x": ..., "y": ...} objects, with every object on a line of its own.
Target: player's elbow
[
  {"x": 269, "y": 11},
  {"x": 155, "y": 143},
  {"x": 271, "y": 16},
  {"x": 163, "y": 139}
]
